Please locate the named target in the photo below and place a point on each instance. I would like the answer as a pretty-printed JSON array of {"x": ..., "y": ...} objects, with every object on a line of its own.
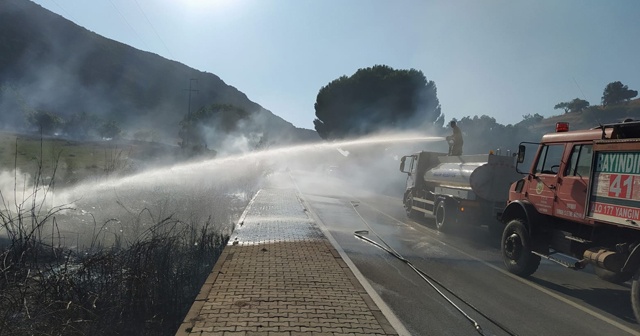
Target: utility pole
[
  {"x": 187, "y": 136},
  {"x": 190, "y": 91}
]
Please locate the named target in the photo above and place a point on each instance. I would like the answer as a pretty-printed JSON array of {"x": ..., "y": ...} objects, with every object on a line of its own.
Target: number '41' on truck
[{"x": 580, "y": 197}]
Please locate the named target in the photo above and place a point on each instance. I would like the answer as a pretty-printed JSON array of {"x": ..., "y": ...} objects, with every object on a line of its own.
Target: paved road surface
[{"x": 554, "y": 301}]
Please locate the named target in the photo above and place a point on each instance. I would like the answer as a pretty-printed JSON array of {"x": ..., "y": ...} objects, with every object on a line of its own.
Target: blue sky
[{"x": 502, "y": 58}]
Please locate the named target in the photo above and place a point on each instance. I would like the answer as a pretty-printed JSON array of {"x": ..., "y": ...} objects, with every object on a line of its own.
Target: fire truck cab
[{"x": 580, "y": 198}]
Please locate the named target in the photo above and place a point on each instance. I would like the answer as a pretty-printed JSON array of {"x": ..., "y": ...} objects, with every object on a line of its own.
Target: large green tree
[
  {"x": 616, "y": 92},
  {"x": 374, "y": 99}
]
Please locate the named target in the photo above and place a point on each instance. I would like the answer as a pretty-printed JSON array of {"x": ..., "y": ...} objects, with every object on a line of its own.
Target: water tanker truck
[
  {"x": 578, "y": 204},
  {"x": 458, "y": 190}
]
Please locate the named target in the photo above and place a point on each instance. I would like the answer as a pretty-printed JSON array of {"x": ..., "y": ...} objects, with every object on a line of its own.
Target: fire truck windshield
[{"x": 549, "y": 160}]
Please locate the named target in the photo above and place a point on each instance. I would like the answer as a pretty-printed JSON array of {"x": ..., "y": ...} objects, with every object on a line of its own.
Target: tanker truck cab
[
  {"x": 417, "y": 197},
  {"x": 578, "y": 204}
]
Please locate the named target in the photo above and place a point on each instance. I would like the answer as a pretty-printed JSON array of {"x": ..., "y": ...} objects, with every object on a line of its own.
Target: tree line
[
  {"x": 371, "y": 100},
  {"x": 614, "y": 93},
  {"x": 82, "y": 125},
  {"x": 382, "y": 98},
  {"x": 194, "y": 130}
]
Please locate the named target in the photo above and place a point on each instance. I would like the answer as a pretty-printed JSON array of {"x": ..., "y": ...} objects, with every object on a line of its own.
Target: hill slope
[
  {"x": 592, "y": 116},
  {"x": 49, "y": 63}
]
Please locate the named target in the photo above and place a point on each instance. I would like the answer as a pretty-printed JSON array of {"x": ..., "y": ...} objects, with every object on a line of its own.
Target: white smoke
[{"x": 21, "y": 194}]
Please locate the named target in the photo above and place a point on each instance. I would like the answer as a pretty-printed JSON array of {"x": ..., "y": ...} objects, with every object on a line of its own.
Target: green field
[{"x": 71, "y": 161}]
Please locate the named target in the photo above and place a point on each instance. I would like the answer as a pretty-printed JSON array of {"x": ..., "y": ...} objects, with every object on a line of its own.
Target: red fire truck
[{"x": 580, "y": 197}]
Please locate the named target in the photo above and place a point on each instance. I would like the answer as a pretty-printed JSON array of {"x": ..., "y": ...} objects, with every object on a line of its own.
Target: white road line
[
  {"x": 522, "y": 280},
  {"x": 384, "y": 308}
]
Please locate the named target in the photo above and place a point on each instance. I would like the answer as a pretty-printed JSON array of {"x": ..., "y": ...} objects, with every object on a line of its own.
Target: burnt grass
[
  {"x": 137, "y": 275},
  {"x": 144, "y": 288}
]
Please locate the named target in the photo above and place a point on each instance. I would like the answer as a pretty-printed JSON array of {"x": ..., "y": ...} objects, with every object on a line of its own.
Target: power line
[
  {"x": 154, "y": 28},
  {"x": 128, "y": 24},
  {"x": 574, "y": 80},
  {"x": 65, "y": 11}
]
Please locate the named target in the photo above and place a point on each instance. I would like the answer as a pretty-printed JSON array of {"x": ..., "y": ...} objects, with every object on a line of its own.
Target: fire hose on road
[{"x": 433, "y": 283}]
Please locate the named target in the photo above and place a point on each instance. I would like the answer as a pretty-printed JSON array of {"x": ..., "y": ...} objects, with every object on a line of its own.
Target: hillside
[
  {"x": 484, "y": 133},
  {"x": 49, "y": 63},
  {"x": 591, "y": 117}
]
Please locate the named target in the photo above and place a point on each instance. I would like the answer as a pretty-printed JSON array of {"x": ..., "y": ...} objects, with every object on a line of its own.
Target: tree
[
  {"x": 146, "y": 135},
  {"x": 529, "y": 120},
  {"x": 376, "y": 98},
  {"x": 616, "y": 92},
  {"x": 576, "y": 105},
  {"x": 483, "y": 134},
  {"x": 109, "y": 130},
  {"x": 221, "y": 117},
  {"x": 535, "y": 117},
  {"x": 81, "y": 125},
  {"x": 45, "y": 121}
]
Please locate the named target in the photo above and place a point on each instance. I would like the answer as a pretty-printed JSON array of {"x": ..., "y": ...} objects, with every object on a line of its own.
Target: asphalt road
[{"x": 553, "y": 301}]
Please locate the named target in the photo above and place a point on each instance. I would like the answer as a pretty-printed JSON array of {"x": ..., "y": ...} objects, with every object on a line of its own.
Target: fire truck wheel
[
  {"x": 613, "y": 277},
  {"x": 635, "y": 295},
  {"x": 445, "y": 216},
  {"x": 516, "y": 246}
]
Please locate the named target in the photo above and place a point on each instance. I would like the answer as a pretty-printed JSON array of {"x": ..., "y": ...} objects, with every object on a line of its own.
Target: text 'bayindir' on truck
[{"x": 580, "y": 197}]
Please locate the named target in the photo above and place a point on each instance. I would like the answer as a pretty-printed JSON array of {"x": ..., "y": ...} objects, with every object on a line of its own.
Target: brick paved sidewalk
[{"x": 280, "y": 275}]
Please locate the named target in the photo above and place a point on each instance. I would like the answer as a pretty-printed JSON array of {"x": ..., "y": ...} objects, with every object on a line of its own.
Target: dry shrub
[
  {"x": 140, "y": 281},
  {"x": 145, "y": 288}
]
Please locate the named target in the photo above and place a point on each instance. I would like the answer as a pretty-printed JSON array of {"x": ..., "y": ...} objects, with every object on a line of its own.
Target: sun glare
[{"x": 208, "y": 4}]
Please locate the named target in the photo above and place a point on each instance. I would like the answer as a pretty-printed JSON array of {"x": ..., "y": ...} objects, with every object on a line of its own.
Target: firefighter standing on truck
[{"x": 455, "y": 140}]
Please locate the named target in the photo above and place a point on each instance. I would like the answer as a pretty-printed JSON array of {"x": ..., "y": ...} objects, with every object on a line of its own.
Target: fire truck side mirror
[
  {"x": 404, "y": 158},
  {"x": 521, "y": 152}
]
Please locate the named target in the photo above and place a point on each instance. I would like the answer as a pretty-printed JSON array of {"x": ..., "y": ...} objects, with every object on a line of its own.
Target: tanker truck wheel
[
  {"x": 635, "y": 295},
  {"x": 408, "y": 202},
  {"x": 445, "y": 216},
  {"x": 516, "y": 247}
]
